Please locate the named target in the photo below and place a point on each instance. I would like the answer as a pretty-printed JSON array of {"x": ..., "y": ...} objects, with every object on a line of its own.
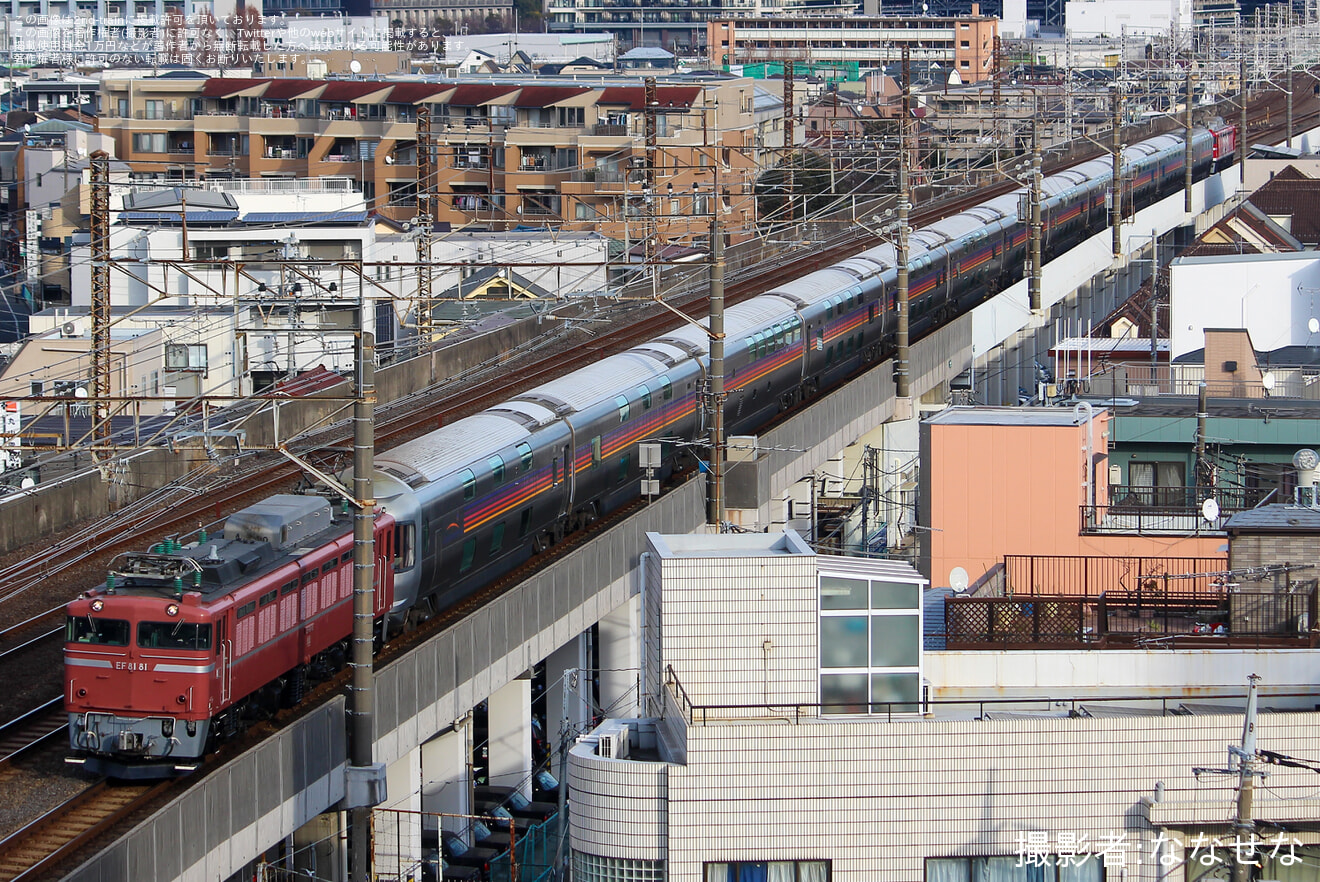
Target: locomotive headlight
[
  {"x": 167, "y": 727},
  {"x": 98, "y": 605},
  {"x": 172, "y": 609}
]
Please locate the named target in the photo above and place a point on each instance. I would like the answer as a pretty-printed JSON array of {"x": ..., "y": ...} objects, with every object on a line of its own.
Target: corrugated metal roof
[
  {"x": 414, "y": 93},
  {"x": 225, "y": 87},
  {"x": 634, "y": 97},
  {"x": 352, "y": 90},
  {"x": 544, "y": 96},
  {"x": 450, "y": 448},
  {"x": 304, "y": 217},
  {"x": 1276, "y": 518},
  {"x": 285, "y": 89},
  {"x": 475, "y": 95}
]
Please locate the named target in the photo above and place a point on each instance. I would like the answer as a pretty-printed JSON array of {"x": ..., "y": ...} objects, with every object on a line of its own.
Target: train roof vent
[{"x": 284, "y": 521}]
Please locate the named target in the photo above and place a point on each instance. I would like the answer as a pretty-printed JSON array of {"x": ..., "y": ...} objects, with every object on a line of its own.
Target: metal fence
[{"x": 1092, "y": 576}]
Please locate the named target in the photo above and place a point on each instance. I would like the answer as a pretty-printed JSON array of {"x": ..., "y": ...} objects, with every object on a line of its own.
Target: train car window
[
  {"x": 268, "y": 598},
  {"x": 403, "y": 546},
  {"x": 829, "y": 309},
  {"x": 666, "y": 389},
  {"x": 870, "y": 316},
  {"x": 309, "y": 577},
  {"x": 645, "y": 394},
  {"x": 191, "y": 636},
  {"x": 289, "y": 587},
  {"x": 469, "y": 554},
  {"x": 497, "y": 538},
  {"x": 329, "y": 565},
  {"x": 496, "y": 464},
  {"x": 346, "y": 557},
  {"x": 247, "y": 609},
  {"x": 751, "y": 346},
  {"x": 524, "y": 455},
  {"x": 622, "y": 402},
  {"x": 102, "y": 632},
  {"x": 623, "y": 469},
  {"x": 829, "y": 356},
  {"x": 595, "y": 451},
  {"x": 525, "y": 521},
  {"x": 469, "y": 483}
]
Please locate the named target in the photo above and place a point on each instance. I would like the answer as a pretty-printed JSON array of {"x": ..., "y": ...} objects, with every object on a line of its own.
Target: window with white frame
[{"x": 870, "y": 645}]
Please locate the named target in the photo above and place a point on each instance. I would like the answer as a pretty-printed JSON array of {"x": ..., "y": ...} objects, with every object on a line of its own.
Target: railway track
[
  {"x": 32, "y": 730},
  {"x": 50, "y": 838}
]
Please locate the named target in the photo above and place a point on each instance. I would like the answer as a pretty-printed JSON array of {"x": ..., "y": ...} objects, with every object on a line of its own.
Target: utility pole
[
  {"x": 1037, "y": 182},
  {"x": 1202, "y": 417},
  {"x": 361, "y": 710},
  {"x": 1244, "y": 827},
  {"x": 100, "y": 230},
  {"x": 996, "y": 75},
  {"x": 1242, "y": 120},
  {"x": 715, "y": 483},
  {"x": 1116, "y": 187},
  {"x": 649, "y": 96},
  {"x": 902, "y": 387},
  {"x": 425, "y": 216},
  {"x": 1287, "y": 72},
  {"x": 1187, "y": 141},
  {"x": 791, "y": 184}
]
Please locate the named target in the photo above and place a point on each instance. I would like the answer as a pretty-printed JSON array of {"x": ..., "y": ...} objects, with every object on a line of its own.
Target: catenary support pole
[
  {"x": 715, "y": 489},
  {"x": 361, "y": 699}
]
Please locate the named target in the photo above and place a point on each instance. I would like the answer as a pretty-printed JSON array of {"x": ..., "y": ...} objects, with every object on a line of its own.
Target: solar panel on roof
[{"x": 303, "y": 217}]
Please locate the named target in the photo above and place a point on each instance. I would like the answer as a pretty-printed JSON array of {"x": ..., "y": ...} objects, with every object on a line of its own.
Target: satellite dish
[
  {"x": 26, "y": 484},
  {"x": 1306, "y": 460},
  {"x": 1210, "y": 510},
  {"x": 958, "y": 579},
  {"x": 355, "y": 66},
  {"x": 1313, "y": 325},
  {"x": 1267, "y": 381}
]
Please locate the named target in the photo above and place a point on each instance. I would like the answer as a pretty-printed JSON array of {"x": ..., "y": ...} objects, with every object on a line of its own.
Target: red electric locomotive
[
  {"x": 185, "y": 644},
  {"x": 1225, "y": 143}
]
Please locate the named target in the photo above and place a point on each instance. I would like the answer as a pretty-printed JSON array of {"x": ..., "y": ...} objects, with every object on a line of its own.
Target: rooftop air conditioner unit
[
  {"x": 71, "y": 329},
  {"x": 614, "y": 744}
]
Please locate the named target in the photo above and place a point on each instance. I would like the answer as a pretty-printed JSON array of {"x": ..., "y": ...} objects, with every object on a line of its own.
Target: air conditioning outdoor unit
[
  {"x": 614, "y": 744},
  {"x": 71, "y": 329}
]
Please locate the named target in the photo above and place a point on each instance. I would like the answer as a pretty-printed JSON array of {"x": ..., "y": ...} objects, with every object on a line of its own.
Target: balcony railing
[
  {"x": 1178, "y": 510},
  {"x": 1028, "y": 574},
  {"x": 609, "y": 130},
  {"x": 162, "y": 114},
  {"x": 1152, "y": 619}
]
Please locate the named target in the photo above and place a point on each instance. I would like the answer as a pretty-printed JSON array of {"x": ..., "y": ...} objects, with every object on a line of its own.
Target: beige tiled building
[
  {"x": 558, "y": 153},
  {"x": 796, "y": 727}
]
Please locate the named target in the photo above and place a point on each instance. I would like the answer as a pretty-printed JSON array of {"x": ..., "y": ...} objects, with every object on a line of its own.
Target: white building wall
[
  {"x": 1273, "y": 296},
  {"x": 1089, "y": 18},
  {"x": 719, "y": 613}
]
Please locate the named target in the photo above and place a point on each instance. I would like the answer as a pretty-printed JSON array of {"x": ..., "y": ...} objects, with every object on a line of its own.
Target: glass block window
[
  {"x": 591, "y": 868},
  {"x": 870, "y": 645}
]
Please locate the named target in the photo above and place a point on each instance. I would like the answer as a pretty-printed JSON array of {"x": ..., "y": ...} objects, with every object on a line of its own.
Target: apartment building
[
  {"x": 964, "y": 43},
  {"x": 550, "y": 152}
]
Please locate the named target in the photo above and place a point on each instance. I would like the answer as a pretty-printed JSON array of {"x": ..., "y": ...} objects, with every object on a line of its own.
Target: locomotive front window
[
  {"x": 103, "y": 632},
  {"x": 174, "y": 635}
]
